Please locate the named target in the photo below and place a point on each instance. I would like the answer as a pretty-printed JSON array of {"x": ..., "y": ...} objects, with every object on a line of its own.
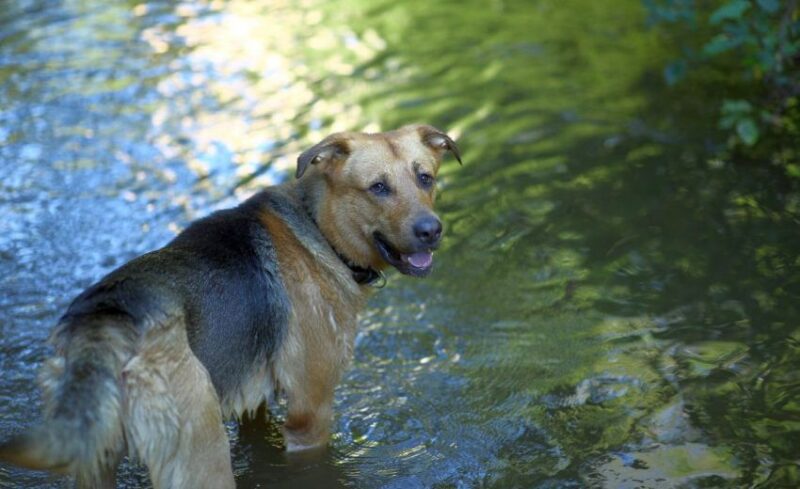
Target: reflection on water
[{"x": 614, "y": 306}]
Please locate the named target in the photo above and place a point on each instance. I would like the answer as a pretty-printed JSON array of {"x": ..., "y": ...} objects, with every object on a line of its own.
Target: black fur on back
[
  {"x": 222, "y": 275},
  {"x": 238, "y": 308}
]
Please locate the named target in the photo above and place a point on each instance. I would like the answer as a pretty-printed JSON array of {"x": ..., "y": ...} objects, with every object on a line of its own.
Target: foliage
[{"x": 756, "y": 44}]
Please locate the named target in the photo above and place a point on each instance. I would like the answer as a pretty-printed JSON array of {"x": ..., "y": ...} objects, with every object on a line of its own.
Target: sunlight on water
[
  {"x": 248, "y": 60},
  {"x": 610, "y": 308}
]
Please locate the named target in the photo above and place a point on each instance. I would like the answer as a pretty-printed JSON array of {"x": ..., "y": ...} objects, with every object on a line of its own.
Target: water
[{"x": 614, "y": 306}]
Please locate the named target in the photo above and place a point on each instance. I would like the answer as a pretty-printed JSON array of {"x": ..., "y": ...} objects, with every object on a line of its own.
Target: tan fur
[
  {"x": 174, "y": 422},
  {"x": 320, "y": 334},
  {"x": 257, "y": 389}
]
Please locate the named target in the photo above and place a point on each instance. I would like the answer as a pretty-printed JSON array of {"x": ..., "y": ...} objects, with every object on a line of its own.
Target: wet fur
[{"x": 247, "y": 301}]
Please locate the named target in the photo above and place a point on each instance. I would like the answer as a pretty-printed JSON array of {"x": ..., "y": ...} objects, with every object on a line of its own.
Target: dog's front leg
[
  {"x": 308, "y": 367},
  {"x": 309, "y": 418}
]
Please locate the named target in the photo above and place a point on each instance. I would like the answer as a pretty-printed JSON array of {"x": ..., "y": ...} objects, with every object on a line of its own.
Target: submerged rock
[{"x": 666, "y": 467}]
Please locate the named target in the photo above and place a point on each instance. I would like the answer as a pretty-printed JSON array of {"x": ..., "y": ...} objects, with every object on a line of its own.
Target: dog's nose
[{"x": 428, "y": 229}]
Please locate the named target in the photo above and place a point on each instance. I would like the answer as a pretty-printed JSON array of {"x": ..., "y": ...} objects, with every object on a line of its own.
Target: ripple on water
[{"x": 539, "y": 352}]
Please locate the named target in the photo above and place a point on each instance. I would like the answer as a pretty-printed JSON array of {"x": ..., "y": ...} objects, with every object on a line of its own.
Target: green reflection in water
[
  {"x": 613, "y": 303},
  {"x": 602, "y": 262}
]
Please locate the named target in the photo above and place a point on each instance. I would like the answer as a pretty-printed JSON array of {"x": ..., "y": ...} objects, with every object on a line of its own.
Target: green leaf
[
  {"x": 747, "y": 131},
  {"x": 730, "y": 11},
  {"x": 770, "y": 6},
  {"x": 720, "y": 44},
  {"x": 728, "y": 122},
  {"x": 736, "y": 106},
  {"x": 734, "y": 112}
]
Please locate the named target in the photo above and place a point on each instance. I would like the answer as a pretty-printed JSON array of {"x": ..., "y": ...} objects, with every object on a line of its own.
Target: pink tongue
[{"x": 422, "y": 259}]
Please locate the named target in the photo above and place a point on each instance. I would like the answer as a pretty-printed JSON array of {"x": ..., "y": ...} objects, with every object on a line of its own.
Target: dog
[{"x": 246, "y": 302}]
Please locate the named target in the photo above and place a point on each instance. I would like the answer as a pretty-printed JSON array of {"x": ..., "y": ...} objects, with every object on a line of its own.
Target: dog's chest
[{"x": 323, "y": 301}]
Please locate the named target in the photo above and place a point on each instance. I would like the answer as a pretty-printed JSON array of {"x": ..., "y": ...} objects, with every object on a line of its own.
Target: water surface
[{"x": 614, "y": 306}]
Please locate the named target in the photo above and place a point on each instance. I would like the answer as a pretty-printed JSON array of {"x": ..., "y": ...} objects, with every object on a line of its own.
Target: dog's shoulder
[
  {"x": 283, "y": 204},
  {"x": 238, "y": 307},
  {"x": 297, "y": 236}
]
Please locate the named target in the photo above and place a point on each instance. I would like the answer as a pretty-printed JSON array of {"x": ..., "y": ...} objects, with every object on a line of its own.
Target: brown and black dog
[{"x": 243, "y": 303}]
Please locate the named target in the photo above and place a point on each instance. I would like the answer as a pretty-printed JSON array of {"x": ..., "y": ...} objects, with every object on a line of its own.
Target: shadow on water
[{"x": 615, "y": 306}]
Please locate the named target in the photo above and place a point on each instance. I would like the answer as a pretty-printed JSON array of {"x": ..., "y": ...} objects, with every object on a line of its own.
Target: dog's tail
[{"x": 82, "y": 431}]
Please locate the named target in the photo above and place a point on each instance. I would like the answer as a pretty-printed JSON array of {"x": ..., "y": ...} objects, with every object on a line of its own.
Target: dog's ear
[
  {"x": 332, "y": 148},
  {"x": 439, "y": 141}
]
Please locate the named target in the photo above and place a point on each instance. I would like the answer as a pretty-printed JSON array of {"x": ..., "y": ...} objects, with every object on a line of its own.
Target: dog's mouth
[{"x": 417, "y": 264}]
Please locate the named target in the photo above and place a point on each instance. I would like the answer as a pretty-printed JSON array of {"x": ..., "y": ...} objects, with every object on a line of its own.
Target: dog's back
[{"x": 235, "y": 300}]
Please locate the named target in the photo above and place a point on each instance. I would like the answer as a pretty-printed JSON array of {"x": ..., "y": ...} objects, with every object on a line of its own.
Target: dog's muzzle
[{"x": 417, "y": 263}]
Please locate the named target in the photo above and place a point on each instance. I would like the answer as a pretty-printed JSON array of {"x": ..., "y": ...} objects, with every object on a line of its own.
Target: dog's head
[{"x": 375, "y": 194}]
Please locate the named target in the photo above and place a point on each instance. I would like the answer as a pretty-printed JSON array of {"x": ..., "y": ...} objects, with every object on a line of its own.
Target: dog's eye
[
  {"x": 425, "y": 179},
  {"x": 379, "y": 188}
]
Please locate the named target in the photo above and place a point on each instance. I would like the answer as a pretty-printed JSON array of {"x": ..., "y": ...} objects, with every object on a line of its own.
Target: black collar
[
  {"x": 364, "y": 276},
  {"x": 361, "y": 275}
]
